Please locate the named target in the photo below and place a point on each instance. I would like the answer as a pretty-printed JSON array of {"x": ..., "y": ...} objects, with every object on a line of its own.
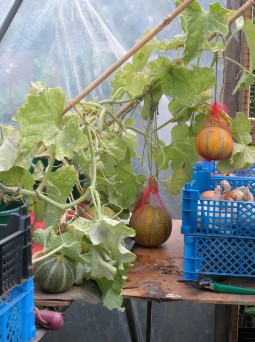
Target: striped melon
[
  {"x": 214, "y": 143},
  {"x": 152, "y": 225},
  {"x": 54, "y": 274}
]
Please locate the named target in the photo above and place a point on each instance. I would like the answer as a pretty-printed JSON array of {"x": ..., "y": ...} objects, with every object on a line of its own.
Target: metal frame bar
[{"x": 9, "y": 18}]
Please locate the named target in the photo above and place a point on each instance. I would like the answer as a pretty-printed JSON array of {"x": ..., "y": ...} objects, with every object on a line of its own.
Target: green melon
[{"x": 54, "y": 274}]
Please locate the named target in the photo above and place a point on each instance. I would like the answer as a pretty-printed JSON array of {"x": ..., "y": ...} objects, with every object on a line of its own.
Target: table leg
[
  {"x": 148, "y": 321},
  {"x": 223, "y": 322},
  {"x": 131, "y": 320}
]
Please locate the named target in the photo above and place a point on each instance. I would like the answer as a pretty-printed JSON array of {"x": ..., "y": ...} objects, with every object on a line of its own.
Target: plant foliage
[{"x": 92, "y": 148}]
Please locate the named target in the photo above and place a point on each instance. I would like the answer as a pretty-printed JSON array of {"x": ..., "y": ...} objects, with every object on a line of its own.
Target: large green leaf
[
  {"x": 141, "y": 57},
  {"x": 59, "y": 186},
  {"x": 189, "y": 87},
  {"x": 41, "y": 121},
  {"x": 183, "y": 155},
  {"x": 17, "y": 177},
  {"x": 108, "y": 258},
  {"x": 199, "y": 24},
  {"x": 132, "y": 80},
  {"x": 159, "y": 67},
  {"x": 243, "y": 156},
  {"x": 9, "y": 151},
  {"x": 241, "y": 129},
  {"x": 249, "y": 30},
  {"x": 244, "y": 82},
  {"x": 172, "y": 44},
  {"x": 181, "y": 175},
  {"x": 61, "y": 182}
]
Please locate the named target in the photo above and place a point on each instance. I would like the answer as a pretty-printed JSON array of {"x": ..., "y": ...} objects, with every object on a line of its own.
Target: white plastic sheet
[
  {"x": 68, "y": 44},
  {"x": 71, "y": 43}
]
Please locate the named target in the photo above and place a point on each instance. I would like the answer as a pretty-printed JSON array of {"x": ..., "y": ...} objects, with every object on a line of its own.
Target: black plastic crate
[{"x": 15, "y": 250}]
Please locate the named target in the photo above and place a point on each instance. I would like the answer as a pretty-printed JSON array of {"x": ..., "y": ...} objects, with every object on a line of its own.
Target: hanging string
[
  {"x": 155, "y": 130},
  {"x": 216, "y": 76}
]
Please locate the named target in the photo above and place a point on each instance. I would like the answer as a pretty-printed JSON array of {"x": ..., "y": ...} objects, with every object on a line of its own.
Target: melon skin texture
[
  {"x": 152, "y": 225},
  {"x": 91, "y": 213},
  {"x": 214, "y": 143},
  {"x": 54, "y": 274}
]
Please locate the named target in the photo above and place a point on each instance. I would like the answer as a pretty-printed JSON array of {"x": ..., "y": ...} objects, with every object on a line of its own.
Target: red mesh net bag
[
  {"x": 218, "y": 116},
  {"x": 150, "y": 218},
  {"x": 214, "y": 141}
]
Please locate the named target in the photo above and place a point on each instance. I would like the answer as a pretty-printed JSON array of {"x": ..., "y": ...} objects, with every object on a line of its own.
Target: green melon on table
[{"x": 55, "y": 274}]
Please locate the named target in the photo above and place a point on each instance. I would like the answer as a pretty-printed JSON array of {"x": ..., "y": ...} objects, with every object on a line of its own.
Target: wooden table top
[
  {"x": 154, "y": 277},
  {"x": 155, "y": 273}
]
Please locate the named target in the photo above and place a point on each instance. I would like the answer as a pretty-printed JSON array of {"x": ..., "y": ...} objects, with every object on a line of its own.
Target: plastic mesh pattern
[
  {"x": 212, "y": 166},
  {"x": 17, "y": 321},
  {"x": 225, "y": 218},
  {"x": 219, "y": 235},
  {"x": 215, "y": 255},
  {"x": 9, "y": 252},
  {"x": 15, "y": 250}
]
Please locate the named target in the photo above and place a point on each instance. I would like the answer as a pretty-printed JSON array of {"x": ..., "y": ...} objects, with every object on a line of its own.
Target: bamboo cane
[
  {"x": 241, "y": 10},
  {"x": 166, "y": 21},
  {"x": 237, "y": 14}
]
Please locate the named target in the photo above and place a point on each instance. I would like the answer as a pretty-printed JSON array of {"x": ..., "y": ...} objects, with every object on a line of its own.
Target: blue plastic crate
[
  {"x": 222, "y": 217},
  {"x": 219, "y": 235},
  {"x": 212, "y": 167},
  {"x": 17, "y": 318},
  {"x": 218, "y": 255}
]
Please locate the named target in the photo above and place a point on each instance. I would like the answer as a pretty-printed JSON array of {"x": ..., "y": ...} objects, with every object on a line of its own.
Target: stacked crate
[
  {"x": 17, "y": 320},
  {"x": 219, "y": 235}
]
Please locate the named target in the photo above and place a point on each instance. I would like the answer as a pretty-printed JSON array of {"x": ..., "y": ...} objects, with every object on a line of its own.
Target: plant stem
[
  {"x": 121, "y": 112},
  {"x": 135, "y": 130},
  {"x": 34, "y": 193},
  {"x": 111, "y": 101},
  {"x": 92, "y": 188},
  {"x": 240, "y": 65},
  {"x": 47, "y": 173},
  {"x": 54, "y": 251},
  {"x": 231, "y": 38}
]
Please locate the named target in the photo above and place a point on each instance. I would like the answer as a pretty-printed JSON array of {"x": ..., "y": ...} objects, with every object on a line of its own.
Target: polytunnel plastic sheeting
[
  {"x": 129, "y": 19},
  {"x": 60, "y": 43},
  {"x": 65, "y": 43},
  {"x": 5, "y": 6},
  {"x": 71, "y": 43}
]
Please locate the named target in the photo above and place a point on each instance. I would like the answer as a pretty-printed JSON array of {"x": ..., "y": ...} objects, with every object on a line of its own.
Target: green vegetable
[{"x": 55, "y": 274}]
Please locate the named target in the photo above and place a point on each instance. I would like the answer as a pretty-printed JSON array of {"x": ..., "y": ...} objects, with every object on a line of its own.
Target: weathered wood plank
[
  {"x": 155, "y": 273},
  {"x": 231, "y": 70}
]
